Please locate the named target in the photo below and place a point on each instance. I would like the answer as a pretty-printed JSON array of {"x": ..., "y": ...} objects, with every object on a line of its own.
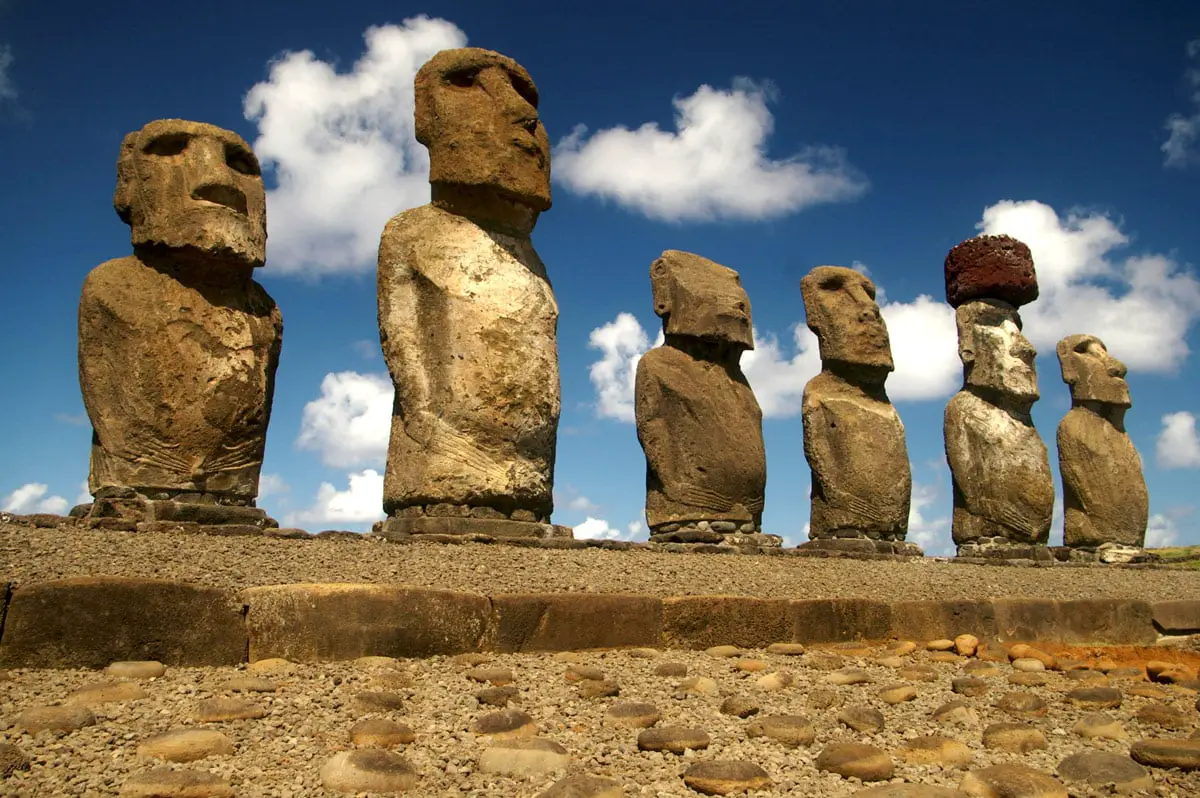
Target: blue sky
[{"x": 781, "y": 137}]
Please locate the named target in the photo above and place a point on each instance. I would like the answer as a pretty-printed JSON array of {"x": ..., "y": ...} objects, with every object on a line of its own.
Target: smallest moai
[
  {"x": 697, "y": 419},
  {"x": 853, "y": 437},
  {"x": 1105, "y": 503},
  {"x": 1003, "y": 489}
]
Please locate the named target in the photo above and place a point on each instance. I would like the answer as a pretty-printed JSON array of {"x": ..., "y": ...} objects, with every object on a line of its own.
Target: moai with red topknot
[{"x": 1003, "y": 489}]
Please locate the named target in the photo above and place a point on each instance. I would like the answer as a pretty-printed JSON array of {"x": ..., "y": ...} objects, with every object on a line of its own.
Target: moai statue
[
  {"x": 178, "y": 344},
  {"x": 1003, "y": 490},
  {"x": 467, "y": 317},
  {"x": 697, "y": 419},
  {"x": 1105, "y": 502},
  {"x": 853, "y": 437}
]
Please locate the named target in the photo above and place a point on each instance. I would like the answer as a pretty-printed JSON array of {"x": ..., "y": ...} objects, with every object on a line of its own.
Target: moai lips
[
  {"x": 853, "y": 437},
  {"x": 178, "y": 345},
  {"x": 467, "y": 317},
  {"x": 1104, "y": 489},
  {"x": 697, "y": 419},
  {"x": 990, "y": 267}
]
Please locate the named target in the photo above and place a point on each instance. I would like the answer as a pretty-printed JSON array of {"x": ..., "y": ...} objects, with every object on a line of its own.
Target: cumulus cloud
[
  {"x": 1161, "y": 531},
  {"x": 272, "y": 485},
  {"x": 350, "y": 422},
  {"x": 1183, "y": 131},
  {"x": 923, "y": 347},
  {"x": 930, "y": 532},
  {"x": 598, "y": 529},
  {"x": 8, "y": 91},
  {"x": 31, "y": 498},
  {"x": 341, "y": 146},
  {"x": 361, "y": 503},
  {"x": 1142, "y": 306},
  {"x": 1177, "y": 445},
  {"x": 713, "y": 165},
  {"x": 85, "y": 495}
]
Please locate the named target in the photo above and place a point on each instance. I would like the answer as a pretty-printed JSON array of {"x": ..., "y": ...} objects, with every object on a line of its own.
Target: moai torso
[
  {"x": 701, "y": 429},
  {"x": 1001, "y": 473},
  {"x": 177, "y": 379},
  {"x": 178, "y": 346},
  {"x": 856, "y": 450},
  {"x": 468, "y": 322},
  {"x": 1104, "y": 490}
]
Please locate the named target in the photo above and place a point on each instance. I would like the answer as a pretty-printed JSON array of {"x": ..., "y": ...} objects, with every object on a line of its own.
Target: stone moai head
[
  {"x": 189, "y": 185},
  {"x": 698, "y": 298},
  {"x": 1092, "y": 374},
  {"x": 841, "y": 310},
  {"x": 995, "y": 354},
  {"x": 476, "y": 112}
]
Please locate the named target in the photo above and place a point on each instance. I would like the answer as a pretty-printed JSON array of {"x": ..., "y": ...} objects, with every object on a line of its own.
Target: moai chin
[
  {"x": 467, "y": 317},
  {"x": 1105, "y": 502},
  {"x": 1003, "y": 489},
  {"x": 853, "y": 437},
  {"x": 697, "y": 419},
  {"x": 178, "y": 345}
]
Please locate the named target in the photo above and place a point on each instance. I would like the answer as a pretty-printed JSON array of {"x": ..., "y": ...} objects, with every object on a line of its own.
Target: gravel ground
[
  {"x": 309, "y": 717},
  {"x": 28, "y": 554}
]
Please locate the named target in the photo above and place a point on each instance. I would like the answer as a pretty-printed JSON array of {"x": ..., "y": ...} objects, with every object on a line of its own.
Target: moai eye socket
[
  {"x": 463, "y": 78},
  {"x": 242, "y": 160},
  {"x": 166, "y": 145},
  {"x": 524, "y": 88},
  {"x": 833, "y": 283}
]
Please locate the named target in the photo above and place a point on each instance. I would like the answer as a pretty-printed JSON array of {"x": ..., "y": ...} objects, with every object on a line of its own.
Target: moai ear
[
  {"x": 123, "y": 198},
  {"x": 660, "y": 286}
]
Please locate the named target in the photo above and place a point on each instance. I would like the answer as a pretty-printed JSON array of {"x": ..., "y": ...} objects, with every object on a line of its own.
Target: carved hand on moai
[{"x": 191, "y": 185}]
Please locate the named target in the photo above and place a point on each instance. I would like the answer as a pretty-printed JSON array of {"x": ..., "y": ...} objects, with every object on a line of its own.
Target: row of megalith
[{"x": 178, "y": 347}]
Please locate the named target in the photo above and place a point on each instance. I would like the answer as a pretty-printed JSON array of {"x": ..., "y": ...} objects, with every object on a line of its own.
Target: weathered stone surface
[
  {"x": 1182, "y": 754},
  {"x": 1003, "y": 488},
  {"x": 135, "y": 669},
  {"x": 380, "y": 733},
  {"x": 791, "y": 730},
  {"x": 186, "y": 745},
  {"x": 574, "y": 621},
  {"x": 12, "y": 759},
  {"x": 743, "y": 621},
  {"x": 1104, "y": 490},
  {"x": 1165, "y": 715},
  {"x": 1011, "y": 781},
  {"x": 368, "y": 770},
  {"x": 740, "y": 706},
  {"x": 675, "y": 739},
  {"x": 632, "y": 715},
  {"x": 935, "y": 750},
  {"x": 217, "y": 710},
  {"x": 67, "y": 717},
  {"x": 908, "y": 791},
  {"x": 1080, "y": 621},
  {"x": 853, "y": 437},
  {"x": 697, "y": 419},
  {"x": 315, "y": 622},
  {"x": 1098, "y": 768},
  {"x": 1025, "y": 705},
  {"x": 523, "y": 758},
  {"x": 837, "y": 620},
  {"x": 467, "y": 316},
  {"x": 858, "y": 760},
  {"x": 166, "y": 782},
  {"x": 88, "y": 622},
  {"x": 969, "y": 686},
  {"x": 927, "y": 620},
  {"x": 862, "y": 719},
  {"x": 379, "y": 701},
  {"x": 1094, "y": 697},
  {"x": 498, "y": 696},
  {"x": 107, "y": 693},
  {"x": 1018, "y": 738},
  {"x": 177, "y": 344},
  {"x": 990, "y": 267},
  {"x": 580, "y": 786},
  {"x": 497, "y": 677},
  {"x": 506, "y": 724},
  {"x": 726, "y": 776}
]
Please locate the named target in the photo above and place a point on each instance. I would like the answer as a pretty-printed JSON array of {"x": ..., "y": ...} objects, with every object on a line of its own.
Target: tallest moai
[
  {"x": 467, "y": 317},
  {"x": 1003, "y": 489}
]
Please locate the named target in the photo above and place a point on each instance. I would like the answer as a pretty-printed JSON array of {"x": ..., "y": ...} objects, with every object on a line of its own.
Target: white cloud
[
  {"x": 31, "y": 498},
  {"x": 7, "y": 90},
  {"x": 1177, "y": 444},
  {"x": 1161, "y": 531},
  {"x": 622, "y": 343},
  {"x": 85, "y": 495},
  {"x": 598, "y": 529},
  {"x": 342, "y": 147},
  {"x": 924, "y": 349},
  {"x": 351, "y": 421},
  {"x": 930, "y": 533},
  {"x": 360, "y": 504},
  {"x": 1184, "y": 131},
  {"x": 1141, "y": 306},
  {"x": 271, "y": 485},
  {"x": 714, "y": 164},
  {"x": 778, "y": 380}
]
